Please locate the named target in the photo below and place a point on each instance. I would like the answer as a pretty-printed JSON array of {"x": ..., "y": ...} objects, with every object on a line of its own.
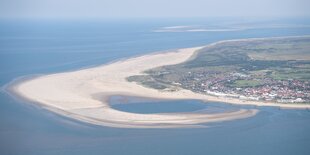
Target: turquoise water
[{"x": 40, "y": 47}]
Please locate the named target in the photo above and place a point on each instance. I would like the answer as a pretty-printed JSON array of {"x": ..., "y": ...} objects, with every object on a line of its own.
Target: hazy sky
[{"x": 152, "y": 8}]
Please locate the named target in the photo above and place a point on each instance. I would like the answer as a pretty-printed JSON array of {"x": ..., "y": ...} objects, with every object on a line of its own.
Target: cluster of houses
[{"x": 219, "y": 84}]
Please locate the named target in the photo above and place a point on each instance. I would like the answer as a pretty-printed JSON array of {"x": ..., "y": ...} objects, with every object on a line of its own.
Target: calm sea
[{"x": 41, "y": 47}]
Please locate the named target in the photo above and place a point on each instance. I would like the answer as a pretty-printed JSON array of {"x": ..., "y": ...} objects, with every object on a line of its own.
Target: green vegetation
[
  {"x": 148, "y": 81},
  {"x": 299, "y": 74},
  {"x": 289, "y": 49},
  {"x": 246, "y": 83},
  {"x": 270, "y": 66}
]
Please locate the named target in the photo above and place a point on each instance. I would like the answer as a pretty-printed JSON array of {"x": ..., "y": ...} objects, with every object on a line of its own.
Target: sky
[{"x": 152, "y": 8}]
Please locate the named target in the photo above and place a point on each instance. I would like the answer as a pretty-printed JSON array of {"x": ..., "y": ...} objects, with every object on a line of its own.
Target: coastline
[{"x": 71, "y": 93}]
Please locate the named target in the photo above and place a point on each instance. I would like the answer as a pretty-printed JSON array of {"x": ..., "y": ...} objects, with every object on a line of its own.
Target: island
[
  {"x": 268, "y": 70},
  {"x": 222, "y": 72}
]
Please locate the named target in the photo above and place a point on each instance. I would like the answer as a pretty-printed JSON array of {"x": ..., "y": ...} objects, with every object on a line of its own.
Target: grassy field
[
  {"x": 281, "y": 50},
  {"x": 245, "y": 83}
]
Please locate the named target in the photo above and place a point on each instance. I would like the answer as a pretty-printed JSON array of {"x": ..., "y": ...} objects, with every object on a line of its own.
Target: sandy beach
[{"x": 71, "y": 94}]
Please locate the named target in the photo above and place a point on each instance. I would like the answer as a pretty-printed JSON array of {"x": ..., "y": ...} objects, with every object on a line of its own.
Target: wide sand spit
[{"x": 75, "y": 94}]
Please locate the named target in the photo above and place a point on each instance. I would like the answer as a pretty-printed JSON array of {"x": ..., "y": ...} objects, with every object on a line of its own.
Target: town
[{"x": 247, "y": 87}]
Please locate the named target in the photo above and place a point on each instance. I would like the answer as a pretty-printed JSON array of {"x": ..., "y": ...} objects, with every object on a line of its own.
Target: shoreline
[{"x": 67, "y": 93}]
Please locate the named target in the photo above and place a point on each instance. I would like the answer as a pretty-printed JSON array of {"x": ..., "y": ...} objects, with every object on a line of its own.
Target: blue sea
[{"x": 35, "y": 47}]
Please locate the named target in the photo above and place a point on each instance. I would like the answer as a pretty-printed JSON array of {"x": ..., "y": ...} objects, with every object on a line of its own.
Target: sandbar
[{"x": 72, "y": 94}]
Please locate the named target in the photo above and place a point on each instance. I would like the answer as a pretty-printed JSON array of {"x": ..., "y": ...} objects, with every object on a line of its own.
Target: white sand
[{"x": 71, "y": 94}]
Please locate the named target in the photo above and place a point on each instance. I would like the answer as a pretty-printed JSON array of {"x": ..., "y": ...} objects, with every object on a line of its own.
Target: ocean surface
[{"x": 42, "y": 47}]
